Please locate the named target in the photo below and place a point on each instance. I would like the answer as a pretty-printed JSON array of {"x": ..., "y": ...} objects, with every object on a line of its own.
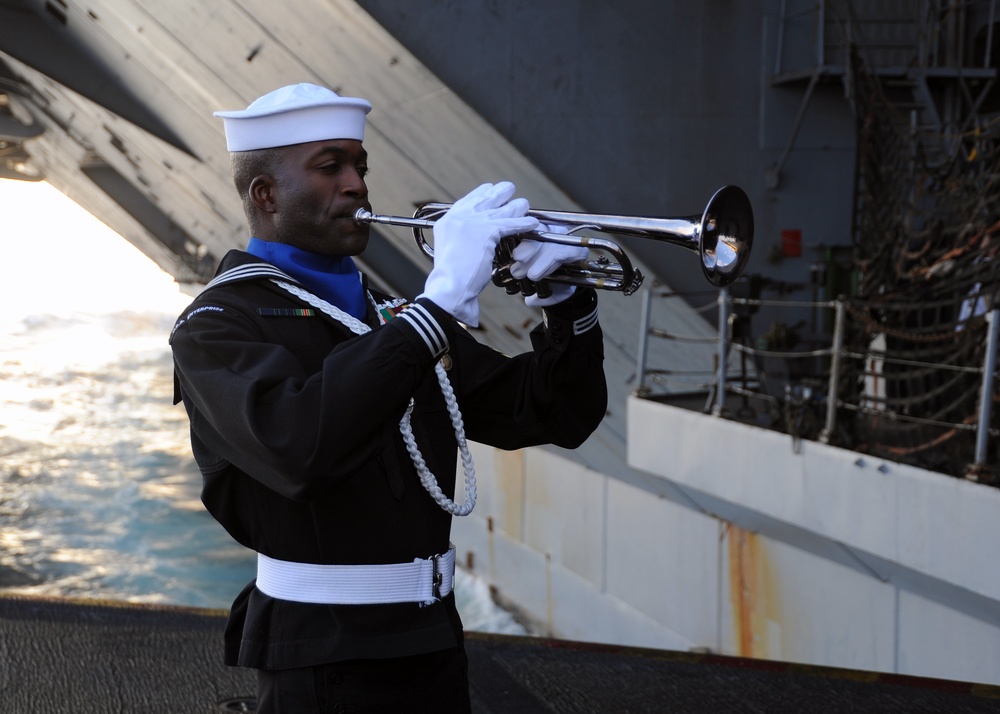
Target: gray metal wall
[{"x": 644, "y": 107}]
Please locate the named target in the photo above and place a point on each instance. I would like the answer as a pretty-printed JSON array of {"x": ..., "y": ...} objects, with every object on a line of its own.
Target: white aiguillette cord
[{"x": 426, "y": 477}]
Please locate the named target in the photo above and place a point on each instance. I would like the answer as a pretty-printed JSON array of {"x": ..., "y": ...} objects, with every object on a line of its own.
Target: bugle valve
[{"x": 722, "y": 235}]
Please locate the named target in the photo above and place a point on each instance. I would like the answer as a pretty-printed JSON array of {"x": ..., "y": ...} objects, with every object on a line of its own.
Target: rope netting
[{"x": 926, "y": 235}]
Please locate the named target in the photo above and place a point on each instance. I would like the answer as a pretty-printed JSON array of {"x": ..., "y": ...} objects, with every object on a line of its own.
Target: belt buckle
[{"x": 438, "y": 577}]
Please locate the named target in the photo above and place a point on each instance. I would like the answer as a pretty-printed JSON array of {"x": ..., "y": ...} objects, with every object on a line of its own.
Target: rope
[
  {"x": 427, "y": 478},
  {"x": 863, "y": 315}
]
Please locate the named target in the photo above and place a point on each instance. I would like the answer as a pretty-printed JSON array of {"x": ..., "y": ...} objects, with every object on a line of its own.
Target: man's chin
[
  {"x": 350, "y": 245},
  {"x": 358, "y": 250}
]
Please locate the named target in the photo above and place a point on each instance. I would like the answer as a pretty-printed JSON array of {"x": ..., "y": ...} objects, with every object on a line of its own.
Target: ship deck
[{"x": 59, "y": 655}]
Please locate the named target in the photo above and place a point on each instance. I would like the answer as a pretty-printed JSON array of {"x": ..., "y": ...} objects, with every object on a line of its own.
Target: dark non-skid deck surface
[{"x": 71, "y": 656}]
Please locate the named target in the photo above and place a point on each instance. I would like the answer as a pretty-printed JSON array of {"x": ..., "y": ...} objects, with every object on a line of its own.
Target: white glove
[
  {"x": 465, "y": 241},
  {"x": 536, "y": 260},
  {"x": 560, "y": 292}
]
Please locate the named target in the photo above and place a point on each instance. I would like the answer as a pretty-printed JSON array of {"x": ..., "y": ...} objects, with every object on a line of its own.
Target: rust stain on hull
[
  {"x": 752, "y": 595},
  {"x": 510, "y": 480}
]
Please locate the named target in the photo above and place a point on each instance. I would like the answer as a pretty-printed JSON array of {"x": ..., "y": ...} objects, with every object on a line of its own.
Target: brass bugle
[{"x": 722, "y": 236}]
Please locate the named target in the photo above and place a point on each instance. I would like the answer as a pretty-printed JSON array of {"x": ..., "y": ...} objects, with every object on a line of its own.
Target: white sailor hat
[{"x": 294, "y": 115}]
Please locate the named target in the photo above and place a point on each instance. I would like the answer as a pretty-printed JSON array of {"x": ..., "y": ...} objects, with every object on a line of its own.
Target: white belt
[{"x": 423, "y": 581}]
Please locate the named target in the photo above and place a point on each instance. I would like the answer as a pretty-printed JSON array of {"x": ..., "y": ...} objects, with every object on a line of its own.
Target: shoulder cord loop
[{"x": 426, "y": 477}]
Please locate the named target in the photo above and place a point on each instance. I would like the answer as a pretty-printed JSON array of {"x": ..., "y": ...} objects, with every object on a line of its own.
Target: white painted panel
[
  {"x": 498, "y": 512},
  {"x": 951, "y": 529},
  {"x": 679, "y": 579},
  {"x": 564, "y": 507},
  {"x": 520, "y": 577},
  {"x": 556, "y": 601},
  {"x": 692, "y": 448},
  {"x": 937, "y": 525},
  {"x": 937, "y": 642},
  {"x": 582, "y": 612},
  {"x": 848, "y": 498},
  {"x": 663, "y": 561},
  {"x": 782, "y": 603},
  {"x": 500, "y": 478}
]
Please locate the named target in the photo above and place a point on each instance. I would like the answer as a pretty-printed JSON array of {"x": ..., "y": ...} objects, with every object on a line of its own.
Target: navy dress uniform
[{"x": 326, "y": 433}]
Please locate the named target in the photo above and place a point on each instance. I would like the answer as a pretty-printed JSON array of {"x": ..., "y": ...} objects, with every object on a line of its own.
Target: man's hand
[{"x": 465, "y": 240}]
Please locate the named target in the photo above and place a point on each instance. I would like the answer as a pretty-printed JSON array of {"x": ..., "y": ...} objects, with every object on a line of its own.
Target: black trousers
[{"x": 434, "y": 682}]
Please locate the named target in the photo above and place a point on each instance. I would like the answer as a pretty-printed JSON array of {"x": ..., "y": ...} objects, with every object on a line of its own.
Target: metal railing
[{"x": 855, "y": 381}]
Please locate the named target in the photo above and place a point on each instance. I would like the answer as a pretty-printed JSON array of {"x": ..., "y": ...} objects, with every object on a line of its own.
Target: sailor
[{"x": 327, "y": 416}]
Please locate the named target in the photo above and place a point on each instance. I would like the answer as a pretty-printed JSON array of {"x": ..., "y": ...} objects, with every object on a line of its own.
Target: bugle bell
[{"x": 722, "y": 236}]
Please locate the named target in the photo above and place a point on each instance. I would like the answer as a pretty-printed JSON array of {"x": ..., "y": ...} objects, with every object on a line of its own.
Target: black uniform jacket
[{"x": 295, "y": 427}]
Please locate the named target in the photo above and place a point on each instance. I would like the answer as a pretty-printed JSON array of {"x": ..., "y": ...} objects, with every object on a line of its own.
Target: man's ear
[{"x": 261, "y": 193}]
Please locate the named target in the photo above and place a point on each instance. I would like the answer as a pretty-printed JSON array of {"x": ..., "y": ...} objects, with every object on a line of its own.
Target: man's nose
[{"x": 356, "y": 185}]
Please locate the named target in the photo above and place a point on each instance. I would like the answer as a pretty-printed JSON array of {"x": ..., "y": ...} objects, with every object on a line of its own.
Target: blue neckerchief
[{"x": 336, "y": 280}]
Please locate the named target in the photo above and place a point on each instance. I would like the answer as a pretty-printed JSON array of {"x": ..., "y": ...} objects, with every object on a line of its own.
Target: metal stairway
[{"x": 935, "y": 61}]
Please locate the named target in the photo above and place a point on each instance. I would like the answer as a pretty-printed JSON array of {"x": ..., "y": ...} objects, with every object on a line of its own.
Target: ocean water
[{"x": 99, "y": 493}]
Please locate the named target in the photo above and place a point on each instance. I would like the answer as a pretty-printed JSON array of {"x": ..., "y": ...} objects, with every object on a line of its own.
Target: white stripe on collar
[{"x": 247, "y": 272}]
